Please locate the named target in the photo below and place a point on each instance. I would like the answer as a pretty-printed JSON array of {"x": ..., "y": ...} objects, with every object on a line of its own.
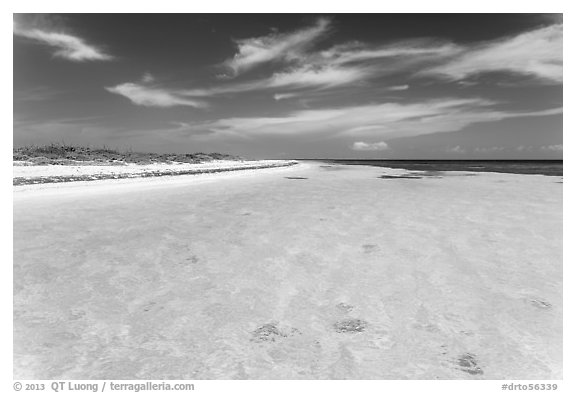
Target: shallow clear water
[{"x": 527, "y": 167}]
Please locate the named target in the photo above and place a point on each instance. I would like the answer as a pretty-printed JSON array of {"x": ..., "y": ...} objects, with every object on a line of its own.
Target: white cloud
[
  {"x": 326, "y": 76},
  {"x": 66, "y": 46},
  {"x": 553, "y": 147},
  {"x": 341, "y": 65},
  {"x": 456, "y": 149},
  {"x": 303, "y": 77},
  {"x": 363, "y": 146},
  {"x": 398, "y": 88},
  {"x": 298, "y": 78},
  {"x": 148, "y": 78},
  {"x": 413, "y": 49},
  {"x": 253, "y": 52},
  {"x": 491, "y": 149},
  {"x": 304, "y": 72},
  {"x": 390, "y": 120},
  {"x": 284, "y": 96},
  {"x": 295, "y": 48},
  {"x": 537, "y": 53},
  {"x": 356, "y": 63},
  {"x": 148, "y": 96}
]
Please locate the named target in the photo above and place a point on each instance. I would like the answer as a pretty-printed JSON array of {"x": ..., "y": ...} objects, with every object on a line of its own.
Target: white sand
[
  {"x": 89, "y": 170},
  {"x": 340, "y": 275},
  {"x": 140, "y": 184}
]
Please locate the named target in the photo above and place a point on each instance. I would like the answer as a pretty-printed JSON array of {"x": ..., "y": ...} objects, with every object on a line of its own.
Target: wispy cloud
[
  {"x": 301, "y": 71},
  {"x": 356, "y": 52},
  {"x": 398, "y": 88},
  {"x": 64, "y": 45},
  {"x": 537, "y": 53},
  {"x": 363, "y": 146},
  {"x": 154, "y": 97},
  {"x": 313, "y": 76},
  {"x": 304, "y": 77},
  {"x": 284, "y": 96},
  {"x": 148, "y": 78},
  {"x": 300, "y": 67},
  {"x": 389, "y": 120},
  {"x": 552, "y": 147},
  {"x": 456, "y": 149},
  {"x": 253, "y": 52},
  {"x": 491, "y": 149}
]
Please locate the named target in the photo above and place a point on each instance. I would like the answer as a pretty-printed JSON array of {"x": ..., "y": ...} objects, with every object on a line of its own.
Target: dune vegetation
[{"x": 63, "y": 154}]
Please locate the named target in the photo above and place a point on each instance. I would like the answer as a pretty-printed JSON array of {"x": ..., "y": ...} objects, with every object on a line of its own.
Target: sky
[{"x": 388, "y": 86}]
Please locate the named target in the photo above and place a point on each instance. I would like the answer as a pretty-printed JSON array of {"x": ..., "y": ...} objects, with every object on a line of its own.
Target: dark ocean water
[{"x": 524, "y": 167}]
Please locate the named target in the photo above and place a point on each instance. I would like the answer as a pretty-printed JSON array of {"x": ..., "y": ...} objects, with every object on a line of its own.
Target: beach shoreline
[
  {"x": 76, "y": 189},
  {"x": 45, "y": 174}
]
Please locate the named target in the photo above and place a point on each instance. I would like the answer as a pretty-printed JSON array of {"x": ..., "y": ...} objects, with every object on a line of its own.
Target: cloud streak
[
  {"x": 422, "y": 49},
  {"x": 298, "y": 78},
  {"x": 253, "y": 52},
  {"x": 552, "y": 147},
  {"x": 301, "y": 71},
  {"x": 301, "y": 68},
  {"x": 153, "y": 97},
  {"x": 363, "y": 146},
  {"x": 64, "y": 45},
  {"x": 389, "y": 120},
  {"x": 536, "y": 53}
]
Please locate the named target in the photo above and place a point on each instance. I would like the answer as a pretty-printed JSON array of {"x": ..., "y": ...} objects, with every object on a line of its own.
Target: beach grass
[{"x": 64, "y": 154}]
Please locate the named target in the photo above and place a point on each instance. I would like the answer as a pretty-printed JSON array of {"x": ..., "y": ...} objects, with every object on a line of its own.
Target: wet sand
[{"x": 309, "y": 272}]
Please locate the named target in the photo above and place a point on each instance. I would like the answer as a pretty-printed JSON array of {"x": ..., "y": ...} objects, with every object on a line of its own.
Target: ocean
[{"x": 524, "y": 167}]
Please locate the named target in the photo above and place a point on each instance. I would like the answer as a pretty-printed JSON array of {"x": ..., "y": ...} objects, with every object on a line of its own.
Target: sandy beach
[
  {"x": 308, "y": 272},
  {"x": 43, "y": 174}
]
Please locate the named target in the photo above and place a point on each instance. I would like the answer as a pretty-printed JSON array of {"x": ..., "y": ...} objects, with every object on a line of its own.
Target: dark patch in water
[
  {"x": 150, "y": 305},
  {"x": 539, "y": 303},
  {"x": 468, "y": 363},
  {"x": 295, "y": 178},
  {"x": 77, "y": 314},
  {"x": 369, "y": 248},
  {"x": 350, "y": 326},
  {"x": 443, "y": 349},
  {"x": 270, "y": 332},
  {"x": 432, "y": 174},
  {"x": 399, "y": 177},
  {"x": 267, "y": 332},
  {"x": 192, "y": 259},
  {"x": 415, "y": 175}
]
